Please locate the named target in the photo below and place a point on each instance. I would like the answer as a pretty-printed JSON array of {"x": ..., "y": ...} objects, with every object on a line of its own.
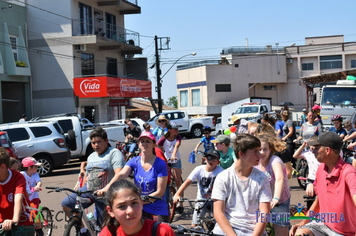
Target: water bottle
[{"x": 93, "y": 223}]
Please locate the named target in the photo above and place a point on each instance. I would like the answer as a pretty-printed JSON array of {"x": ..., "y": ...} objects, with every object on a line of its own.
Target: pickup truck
[
  {"x": 79, "y": 129},
  {"x": 191, "y": 127},
  {"x": 251, "y": 111}
]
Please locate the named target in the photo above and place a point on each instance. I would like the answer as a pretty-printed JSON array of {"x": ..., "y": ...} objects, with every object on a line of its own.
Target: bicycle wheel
[
  {"x": 303, "y": 172},
  {"x": 47, "y": 224},
  {"x": 172, "y": 206},
  {"x": 72, "y": 228}
]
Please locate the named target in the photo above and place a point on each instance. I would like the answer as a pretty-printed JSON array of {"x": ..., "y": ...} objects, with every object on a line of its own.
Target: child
[
  {"x": 124, "y": 213},
  {"x": 12, "y": 198},
  {"x": 14, "y": 164},
  {"x": 206, "y": 140},
  {"x": 227, "y": 155},
  {"x": 274, "y": 168},
  {"x": 303, "y": 117},
  {"x": 33, "y": 185},
  {"x": 205, "y": 176},
  {"x": 241, "y": 192}
]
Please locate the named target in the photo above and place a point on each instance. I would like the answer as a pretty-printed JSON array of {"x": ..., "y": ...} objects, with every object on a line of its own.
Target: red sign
[
  {"x": 111, "y": 87},
  {"x": 119, "y": 102}
]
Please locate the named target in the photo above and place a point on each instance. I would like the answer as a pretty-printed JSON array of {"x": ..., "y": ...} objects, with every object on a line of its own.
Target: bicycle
[
  {"x": 121, "y": 147},
  {"x": 45, "y": 217},
  {"x": 207, "y": 223},
  {"x": 180, "y": 229},
  {"x": 172, "y": 192},
  {"x": 303, "y": 171}
]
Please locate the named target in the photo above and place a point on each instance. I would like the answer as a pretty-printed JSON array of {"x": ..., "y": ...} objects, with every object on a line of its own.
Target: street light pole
[{"x": 190, "y": 54}]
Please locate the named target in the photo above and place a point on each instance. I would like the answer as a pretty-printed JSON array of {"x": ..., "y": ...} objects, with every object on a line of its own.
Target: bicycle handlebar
[
  {"x": 60, "y": 189},
  {"x": 146, "y": 198}
]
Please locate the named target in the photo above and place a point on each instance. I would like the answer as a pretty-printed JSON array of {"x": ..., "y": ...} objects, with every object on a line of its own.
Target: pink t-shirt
[
  {"x": 335, "y": 191},
  {"x": 272, "y": 179}
]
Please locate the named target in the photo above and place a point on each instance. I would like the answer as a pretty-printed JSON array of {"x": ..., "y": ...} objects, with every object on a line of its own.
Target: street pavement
[{"x": 67, "y": 176}]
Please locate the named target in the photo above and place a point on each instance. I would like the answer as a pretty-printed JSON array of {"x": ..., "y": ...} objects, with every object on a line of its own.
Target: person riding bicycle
[
  {"x": 335, "y": 187},
  {"x": 132, "y": 132},
  {"x": 13, "y": 199},
  {"x": 103, "y": 167},
  {"x": 337, "y": 120},
  {"x": 33, "y": 185},
  {"x": 205, "y": 176},
  {"x": 206, "y": 140}
]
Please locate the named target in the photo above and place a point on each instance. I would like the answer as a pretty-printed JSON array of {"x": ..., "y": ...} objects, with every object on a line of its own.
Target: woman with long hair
[{"x": 288, "y": 137}]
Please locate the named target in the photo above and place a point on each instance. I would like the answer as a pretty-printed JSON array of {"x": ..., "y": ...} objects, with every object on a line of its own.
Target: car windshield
[
  {"x": 339, "y": 96},
  {"x": 243, "y": 110}
]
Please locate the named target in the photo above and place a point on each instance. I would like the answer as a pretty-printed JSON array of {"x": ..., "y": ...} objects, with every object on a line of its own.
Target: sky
[{"x": 206, "y": 27}]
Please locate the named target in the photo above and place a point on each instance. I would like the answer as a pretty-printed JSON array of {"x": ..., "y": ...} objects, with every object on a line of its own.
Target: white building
[{"x": 81, "y": 54}]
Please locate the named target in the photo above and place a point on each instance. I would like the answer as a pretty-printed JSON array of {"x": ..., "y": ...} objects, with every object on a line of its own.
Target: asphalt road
[{"x": 68, "y": 175}]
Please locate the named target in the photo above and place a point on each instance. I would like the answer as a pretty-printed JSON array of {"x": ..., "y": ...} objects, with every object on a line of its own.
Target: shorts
[
  {"x": 282, "y": 209},
  {"x": 177, "y": 165},
  {"x": 100, "y": 204},
  {"x": 319, "y": 229},
  {"x": 203, "y": 211}
]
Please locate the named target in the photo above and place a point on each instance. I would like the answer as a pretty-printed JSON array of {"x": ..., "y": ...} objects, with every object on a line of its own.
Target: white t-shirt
[
  {"x": 31, "y": 182},
  {"x": 242, "y": 197},
  {"x": 313, "y": 163},
  {"x": 169, "y": 147},
  {"x": 205, "y": 180}
]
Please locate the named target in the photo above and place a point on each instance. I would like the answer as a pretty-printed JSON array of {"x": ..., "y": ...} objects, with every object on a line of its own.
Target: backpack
[{"x": 154, "y": 228}]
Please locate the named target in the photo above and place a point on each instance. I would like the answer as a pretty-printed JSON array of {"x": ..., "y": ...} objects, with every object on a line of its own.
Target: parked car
[
  {"x": 43, "y": 140},
  {"x": 191, "y": 127},
  {"x": 77, "y": 133},
  {"x": 6, "y": 143}
]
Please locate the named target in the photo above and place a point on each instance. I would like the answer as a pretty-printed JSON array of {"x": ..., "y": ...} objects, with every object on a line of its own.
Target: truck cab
[{"x": 251, "y": 111}]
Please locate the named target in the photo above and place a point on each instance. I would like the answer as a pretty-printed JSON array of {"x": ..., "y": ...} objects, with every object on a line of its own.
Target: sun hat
[
  {"x": 233, "y": 119},
  {"x": 329, "y": 139},
  {"x": 173, "y": 125},
  {"x": 30, "y": 161},
  {"x": 222, "y": 139},
  {"x": 316, "y": 107},
  {"x": 148, "y": 135},
  {"x": 161, "y": 117},
  {"x": 213, "y": 153}
]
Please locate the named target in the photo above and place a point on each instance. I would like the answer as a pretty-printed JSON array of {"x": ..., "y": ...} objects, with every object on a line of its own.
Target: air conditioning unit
[
  {"x": 289, "y": 60},
  {"x": 81, "y": 48}
]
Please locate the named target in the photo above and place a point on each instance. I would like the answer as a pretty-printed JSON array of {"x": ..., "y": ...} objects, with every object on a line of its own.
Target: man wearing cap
[
  {"x": 335, "y": 187},
  {"x": 227, "y": 155}
]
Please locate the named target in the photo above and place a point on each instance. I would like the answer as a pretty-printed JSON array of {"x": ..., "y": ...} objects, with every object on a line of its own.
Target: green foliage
[
  {"x": 21, "y": 64},
  {"x": 172, "y": 102}
]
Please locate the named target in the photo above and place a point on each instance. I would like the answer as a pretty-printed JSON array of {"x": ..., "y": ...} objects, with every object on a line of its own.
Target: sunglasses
[
  {"x": 206, "y": 133},
  {"x": 161, "y": 121},
  {"x": 211, "y": 158}
]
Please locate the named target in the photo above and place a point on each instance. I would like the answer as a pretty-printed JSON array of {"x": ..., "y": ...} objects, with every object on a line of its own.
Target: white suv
[{"x": 42, "y": 140}]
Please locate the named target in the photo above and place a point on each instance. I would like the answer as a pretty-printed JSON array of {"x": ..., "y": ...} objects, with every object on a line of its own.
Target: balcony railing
[
  {"x": 198, "y": 64},
  {"x": 105, "y": 31},
  {"x": 250, "y": 50},
  {"x": 131, "y": 1}
]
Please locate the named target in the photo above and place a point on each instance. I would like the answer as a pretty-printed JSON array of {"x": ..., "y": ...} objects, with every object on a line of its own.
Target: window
[
  {"x": 66, "y": 125},
  {"x": 330, "y": 62},
  {"x": 307, "y": 66},
  {"x": 58, "y": 128},
  {"x": 173, "y": 116},
  {"x": 183, "y": 98},
  {"x": 269, "y": 87},
  {"x": 236, "y": 65},
  {"x": 86, "y": 20},
  {"x": 111, "y": 66},
  {"x": 87, "y": 64},
  {"x": 196, "y": 97},
  {"x": 40, "y": 131},
  {"x": 353, "y": 63},
  {"x": 13, "y": 41},
  {"x": 18, "y": 134},
  {"x": 110, "y": 26},
  {"x": 222, "y": 87}
]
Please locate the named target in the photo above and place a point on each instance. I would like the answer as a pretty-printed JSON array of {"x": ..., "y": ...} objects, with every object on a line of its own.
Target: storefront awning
[{"x": 104, "y": 86}]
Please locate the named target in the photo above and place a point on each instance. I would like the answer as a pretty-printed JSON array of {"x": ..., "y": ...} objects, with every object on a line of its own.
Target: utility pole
[{"x": 164, "y": 46}]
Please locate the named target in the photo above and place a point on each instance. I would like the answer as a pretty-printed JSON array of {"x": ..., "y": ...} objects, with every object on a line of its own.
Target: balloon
[
  {"x": 233, "y": 128},
  {"x": 233, "y": 136},
  {"x": 227, "y": 131}
]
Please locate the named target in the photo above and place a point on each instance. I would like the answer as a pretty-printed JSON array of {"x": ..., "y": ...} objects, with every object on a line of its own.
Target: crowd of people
[{"x": 245, "y": 174}]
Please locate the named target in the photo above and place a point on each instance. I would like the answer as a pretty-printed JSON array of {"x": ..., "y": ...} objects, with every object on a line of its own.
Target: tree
[{"x": 172, "y": 102}]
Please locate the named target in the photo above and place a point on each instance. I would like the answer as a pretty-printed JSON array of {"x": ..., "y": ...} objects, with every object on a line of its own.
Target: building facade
[
  {"x": 15, "y": 70},
  {"x": 82, "y": 40}
]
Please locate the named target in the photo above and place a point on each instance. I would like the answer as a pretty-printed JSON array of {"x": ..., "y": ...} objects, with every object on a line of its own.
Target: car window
[
  {"x": 66, "y": 125},
  {"x": 4, "y": 142},
  {"x": 58, "y": 128},
  {"x": 173, "y": 116},
  {"x": 40, "y": 131},
  {"x": 135, "y": 123},
  {"x": 18, "y": 134},
  {"x": 181, "y": 115}
]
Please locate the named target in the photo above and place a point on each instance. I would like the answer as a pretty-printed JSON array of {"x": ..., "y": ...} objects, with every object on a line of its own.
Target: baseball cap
[
  {"x": 173, "y": 125},
  {"x": 304, "y": 109},
  {"x": 213, "y": 152},
  {"x": 30, "y": 161},
  {"x": 316, "y": 107},
  {"x": 148, "y": 135},
  {"x": 329, "y": 139},
  {"x": 222, "y": 139}
]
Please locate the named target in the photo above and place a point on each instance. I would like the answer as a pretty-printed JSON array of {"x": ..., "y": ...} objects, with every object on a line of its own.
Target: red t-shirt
[
  {"x": 335, "y": 192},
  {"x": 15, "y": 184},
  {"x": 162, "y": 230},
  {"x": 160, "y": 154}
]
